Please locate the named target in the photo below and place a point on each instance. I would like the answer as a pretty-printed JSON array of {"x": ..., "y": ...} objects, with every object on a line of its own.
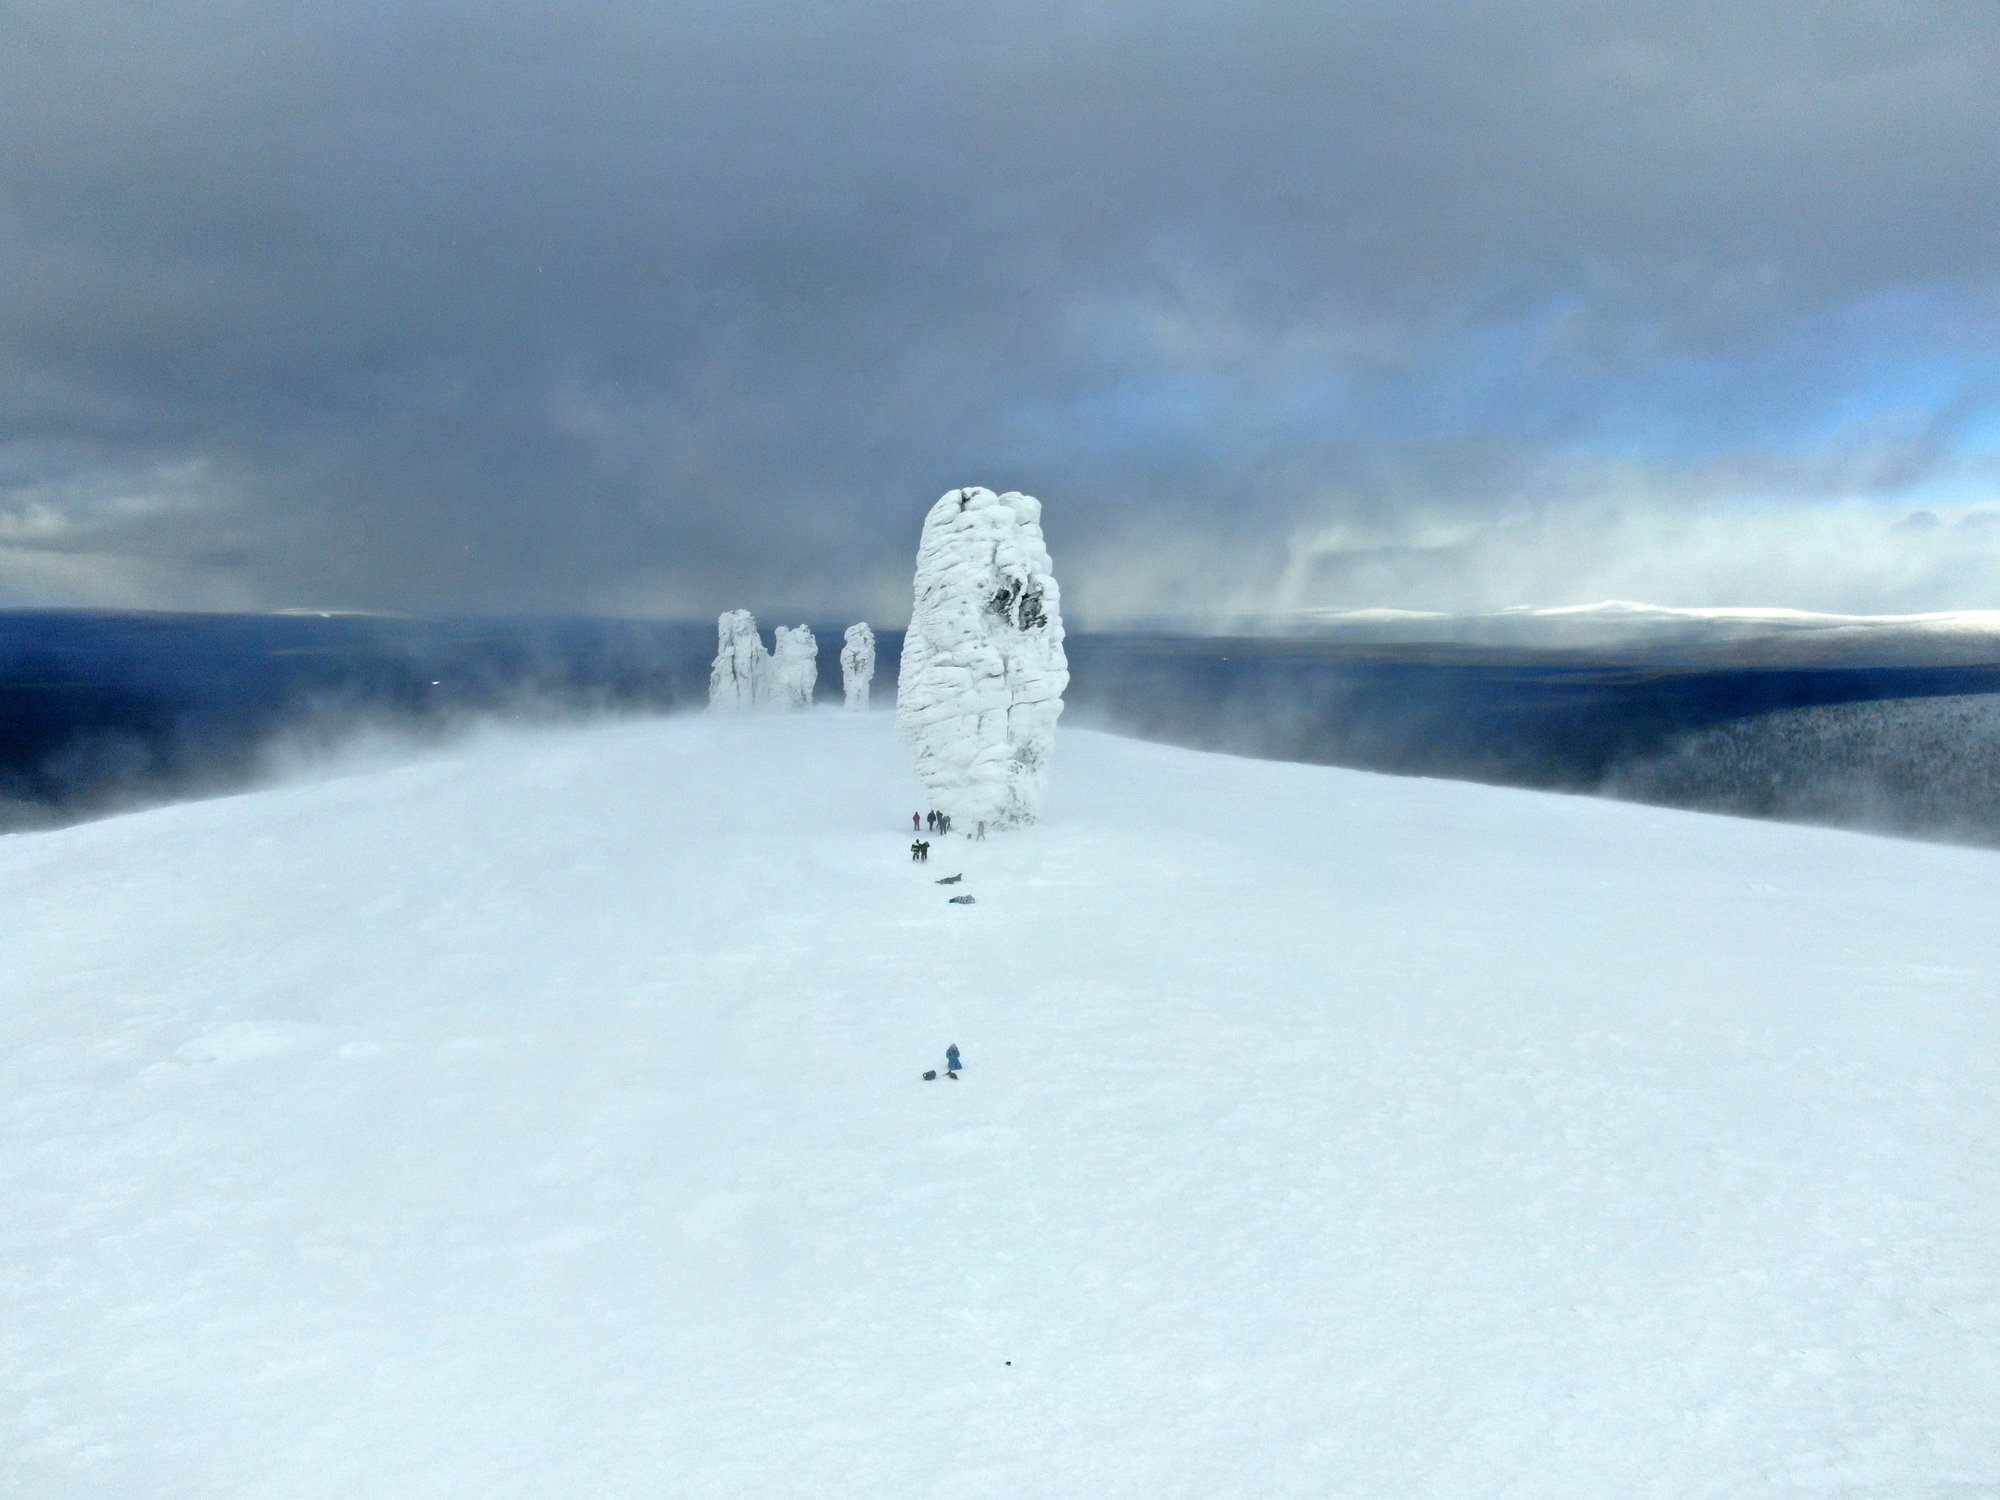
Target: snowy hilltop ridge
[
  {"x": 983, "y": 669},
  {"x": 1321, "y": 1136}
]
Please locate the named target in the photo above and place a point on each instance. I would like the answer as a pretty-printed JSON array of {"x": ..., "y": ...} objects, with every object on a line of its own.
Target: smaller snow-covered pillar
[
  {"x": 857, "y": 665},
  {"x": 740, "y": 679},
  {"x": 794, "y": 667}
]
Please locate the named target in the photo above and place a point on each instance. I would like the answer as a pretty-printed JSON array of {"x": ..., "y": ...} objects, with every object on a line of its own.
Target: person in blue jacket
[{"x": 951, "y": 1062}]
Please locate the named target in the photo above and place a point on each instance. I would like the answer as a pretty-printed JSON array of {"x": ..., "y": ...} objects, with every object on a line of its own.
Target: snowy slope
[{"x": 543, "y": 1119}]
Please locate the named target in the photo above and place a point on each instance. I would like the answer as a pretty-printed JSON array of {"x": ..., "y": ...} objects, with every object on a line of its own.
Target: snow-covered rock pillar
[
  {"x": 740, "y": 679},
  {"x": 857, "y": 665},
  {"x": 983, "y": 665},
  {"x": 794, "y": 668}
]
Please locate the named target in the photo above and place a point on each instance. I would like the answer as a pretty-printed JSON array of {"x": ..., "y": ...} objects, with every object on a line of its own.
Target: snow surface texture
[
  {"x": 794, "y": 668},
  {"x": 741, "y": 677},
  {"x": 458, "y": 1129},
  {"x": 983, "y": 667},
  {"x": 857, "y": 665}
]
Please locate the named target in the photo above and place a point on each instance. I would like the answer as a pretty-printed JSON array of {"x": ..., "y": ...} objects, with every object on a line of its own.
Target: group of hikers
[{"x": 938, "y": 823}]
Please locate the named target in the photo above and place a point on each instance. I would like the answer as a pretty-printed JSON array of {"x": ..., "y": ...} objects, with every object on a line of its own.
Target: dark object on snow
[
  {"x": 951, "y": 880},
  {"x": 951, "y": 1062},
  {"x": 952, "y": 1076},
  {"x": 929, "y": 1074},
  {"x": 961, "y": 901}
]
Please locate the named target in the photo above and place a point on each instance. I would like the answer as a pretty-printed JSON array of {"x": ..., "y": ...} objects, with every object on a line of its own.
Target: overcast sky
[{"x": 665, "y": 308}]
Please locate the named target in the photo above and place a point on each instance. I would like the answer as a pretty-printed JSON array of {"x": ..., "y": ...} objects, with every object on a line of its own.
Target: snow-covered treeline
[{"x": 1924, "y": 766}]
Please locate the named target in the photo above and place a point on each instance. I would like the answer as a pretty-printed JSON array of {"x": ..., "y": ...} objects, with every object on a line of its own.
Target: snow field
[{"x": 543, "y": 1119}]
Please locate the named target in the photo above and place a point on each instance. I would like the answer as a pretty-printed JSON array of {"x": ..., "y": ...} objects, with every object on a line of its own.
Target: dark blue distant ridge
[
  {"x": 1560, "y": 720},
  {"x": 106, "y": 710}
]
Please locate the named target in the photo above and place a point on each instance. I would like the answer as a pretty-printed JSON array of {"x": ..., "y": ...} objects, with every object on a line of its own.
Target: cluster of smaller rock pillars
[{"x": 745, "y": 676}]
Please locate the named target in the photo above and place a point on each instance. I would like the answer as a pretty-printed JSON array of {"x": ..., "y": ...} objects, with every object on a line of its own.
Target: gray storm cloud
[{"x": 665, "y": 308}]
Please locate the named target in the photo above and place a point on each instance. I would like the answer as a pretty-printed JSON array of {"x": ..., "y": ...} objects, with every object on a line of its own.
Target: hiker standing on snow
[{"x": 951, "y": 1062}]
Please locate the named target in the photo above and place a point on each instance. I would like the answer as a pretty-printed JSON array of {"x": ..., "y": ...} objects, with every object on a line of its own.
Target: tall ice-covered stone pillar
[
  {"x": 983, "y": 666},
  {"x": 857, "y": 665}
]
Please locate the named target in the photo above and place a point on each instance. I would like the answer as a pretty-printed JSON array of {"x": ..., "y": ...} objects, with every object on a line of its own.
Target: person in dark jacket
[{"x": 951, "y": 1062}]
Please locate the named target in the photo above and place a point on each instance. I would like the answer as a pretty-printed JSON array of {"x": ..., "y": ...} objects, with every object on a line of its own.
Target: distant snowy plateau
[{"x": 542, "y": 1118}]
